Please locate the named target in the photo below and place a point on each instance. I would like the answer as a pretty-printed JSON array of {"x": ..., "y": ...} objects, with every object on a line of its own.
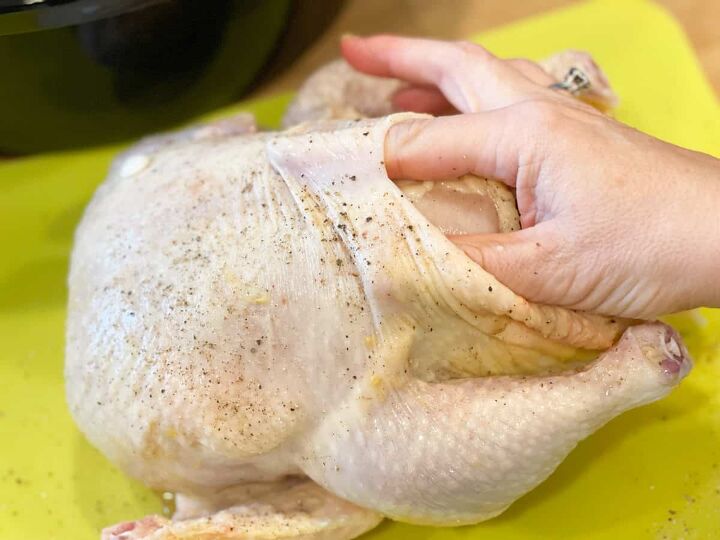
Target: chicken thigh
[{"x": 267, "y": 325}]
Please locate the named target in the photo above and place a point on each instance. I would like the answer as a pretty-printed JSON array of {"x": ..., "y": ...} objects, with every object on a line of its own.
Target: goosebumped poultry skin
[{"x": 268, "y": 326}]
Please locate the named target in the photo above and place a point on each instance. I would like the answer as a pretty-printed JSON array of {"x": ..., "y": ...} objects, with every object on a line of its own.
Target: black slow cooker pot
[{"x": 81, "y": 72}]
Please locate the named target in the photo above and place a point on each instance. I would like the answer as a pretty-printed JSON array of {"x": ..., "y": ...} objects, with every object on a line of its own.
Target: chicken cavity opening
[{"x": 468, "y": 205}]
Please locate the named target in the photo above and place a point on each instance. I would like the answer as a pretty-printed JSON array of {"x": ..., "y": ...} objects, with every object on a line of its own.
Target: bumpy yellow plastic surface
[{"x": 653, "y": 473}]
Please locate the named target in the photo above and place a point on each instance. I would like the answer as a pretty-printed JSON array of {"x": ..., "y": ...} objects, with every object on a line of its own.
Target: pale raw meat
[{"x": 267, "y": 325}]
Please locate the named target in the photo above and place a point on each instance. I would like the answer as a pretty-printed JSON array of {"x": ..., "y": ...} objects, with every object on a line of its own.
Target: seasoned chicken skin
[{"x": 267, "y": 325}]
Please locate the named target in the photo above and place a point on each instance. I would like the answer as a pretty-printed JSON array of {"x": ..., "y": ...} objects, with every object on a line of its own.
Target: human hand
[{"x": 614, "y": 221}]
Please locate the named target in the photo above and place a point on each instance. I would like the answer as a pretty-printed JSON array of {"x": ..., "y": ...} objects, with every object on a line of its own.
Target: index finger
[{"x": 471, "y": 78}]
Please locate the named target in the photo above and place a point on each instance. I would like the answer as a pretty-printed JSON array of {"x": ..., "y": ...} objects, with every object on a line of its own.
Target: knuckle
[
  {"x": 532, "y": 70},
  {"x": 472, "y": 49},
  {"x": 524, "y": 64},
  {"x": 542, "y": 114}
]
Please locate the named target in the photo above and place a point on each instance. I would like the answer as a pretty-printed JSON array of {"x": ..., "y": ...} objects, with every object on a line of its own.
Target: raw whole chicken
[{"x": 268, "y": 326}]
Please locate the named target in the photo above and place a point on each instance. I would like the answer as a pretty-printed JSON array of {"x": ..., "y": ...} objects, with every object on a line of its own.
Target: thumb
[
  {"x": 521, "y": 260},
  {"x": 491, "y": 143}
]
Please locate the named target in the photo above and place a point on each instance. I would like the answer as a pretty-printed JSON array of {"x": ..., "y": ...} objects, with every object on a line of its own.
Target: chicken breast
[{"x": 267, "y": 325}]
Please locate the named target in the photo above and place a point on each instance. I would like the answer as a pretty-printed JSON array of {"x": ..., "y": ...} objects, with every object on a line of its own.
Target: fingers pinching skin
[{"x": 594, "y": 184}]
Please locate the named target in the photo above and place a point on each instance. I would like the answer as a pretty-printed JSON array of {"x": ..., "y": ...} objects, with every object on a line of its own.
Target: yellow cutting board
[{"x": 652, "y": 473}]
